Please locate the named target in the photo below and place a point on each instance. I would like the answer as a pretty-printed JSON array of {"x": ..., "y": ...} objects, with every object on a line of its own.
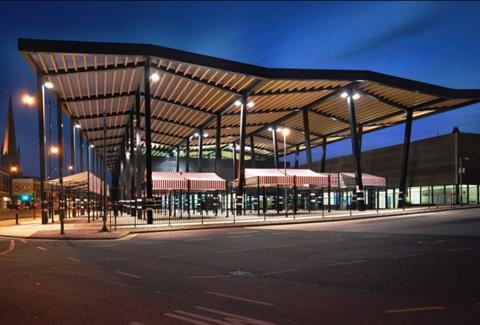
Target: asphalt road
[{"x": 422, "y": 269}]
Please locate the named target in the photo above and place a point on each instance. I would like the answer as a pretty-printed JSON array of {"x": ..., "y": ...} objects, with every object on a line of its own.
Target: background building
[{"x": 433, "y": 168}]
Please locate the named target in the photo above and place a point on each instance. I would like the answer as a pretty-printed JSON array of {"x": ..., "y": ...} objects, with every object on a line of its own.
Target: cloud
[{"x": 391, "y": 35}]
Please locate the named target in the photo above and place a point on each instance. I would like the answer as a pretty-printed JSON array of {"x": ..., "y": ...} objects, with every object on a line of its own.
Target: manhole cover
[{"x": 241, "y": 273}]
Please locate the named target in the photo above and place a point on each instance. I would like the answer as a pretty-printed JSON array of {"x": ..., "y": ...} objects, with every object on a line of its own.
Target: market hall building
[{"x": 135, "y": 102}]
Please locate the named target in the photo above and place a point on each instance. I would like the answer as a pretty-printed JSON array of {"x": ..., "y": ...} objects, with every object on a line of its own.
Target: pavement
[
  {"x": 78, "y": 228},
  {"x": 411, "y": 269}
]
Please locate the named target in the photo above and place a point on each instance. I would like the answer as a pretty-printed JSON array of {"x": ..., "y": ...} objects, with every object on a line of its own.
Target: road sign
[{"x": 22, "y": 186}]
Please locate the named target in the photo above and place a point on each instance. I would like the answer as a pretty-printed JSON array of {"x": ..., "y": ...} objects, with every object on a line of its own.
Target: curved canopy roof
[{"x": 93, "y": 78}]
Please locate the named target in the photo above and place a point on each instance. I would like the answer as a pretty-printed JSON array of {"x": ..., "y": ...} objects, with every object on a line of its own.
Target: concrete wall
[{"x": 432, "y": 161}]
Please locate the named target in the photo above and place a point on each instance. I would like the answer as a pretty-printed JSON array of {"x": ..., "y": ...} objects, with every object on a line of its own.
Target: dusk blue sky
[{"x": 427, "y": 41}]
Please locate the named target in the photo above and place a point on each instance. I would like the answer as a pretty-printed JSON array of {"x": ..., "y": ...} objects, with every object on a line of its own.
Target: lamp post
[
  {"x": 285, "y": 133},
  {"x": 461, "y": 171},
  {"x": 29, "y": 100},
  {"x": 58, "y": 151}
]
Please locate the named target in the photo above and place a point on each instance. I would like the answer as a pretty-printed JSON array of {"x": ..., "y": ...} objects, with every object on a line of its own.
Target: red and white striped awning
[
  {"x": 95, "y": 184},
  {"x": 267, "y": 177},
  {"x": 168, "y": 181},
  {"x": 307, "y": 177},
  {"x": 205, "y": 181},
  {"x": 347, "y": 180}
]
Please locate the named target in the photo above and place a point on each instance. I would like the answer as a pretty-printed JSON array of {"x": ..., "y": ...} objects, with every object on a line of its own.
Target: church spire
[{"x": 10, "y": 151}]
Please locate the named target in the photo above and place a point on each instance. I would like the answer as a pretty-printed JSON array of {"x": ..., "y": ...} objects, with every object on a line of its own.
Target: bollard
[{"x": 16, "y": 218}]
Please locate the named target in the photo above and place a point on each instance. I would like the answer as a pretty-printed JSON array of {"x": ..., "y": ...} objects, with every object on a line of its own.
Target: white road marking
[
  {"x": 253, "y": 301},
  {"x": 347, "y": 263},
  {"x": 408, "y": 255},
  {"x": 199, "y": 239},
  {"x": 72, "y": 259},
  {"x": 233, "y": 251},
  {"x": 186, "y": 319},
  {"x": 280, "y": 272},
  {"x": 412, "y": 310},
  {"x": 202, "y": 317},
  {"x": 236, "y": 317},
  {"x": 459, "y": 249},
  {"x": 127, "y": 237},
  {"x": 11, "y": 247},
  {"x": 129, "y": 274},
  {"x": 217, "y": 276},
  {"x": 41, "y": 248}
]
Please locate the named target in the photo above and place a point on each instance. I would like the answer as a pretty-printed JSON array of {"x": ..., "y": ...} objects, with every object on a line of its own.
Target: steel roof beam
[
  {"x": 99, "y": 68},
  {"x": 210, "y": 84},
  {"x": 295, "y": 91}
]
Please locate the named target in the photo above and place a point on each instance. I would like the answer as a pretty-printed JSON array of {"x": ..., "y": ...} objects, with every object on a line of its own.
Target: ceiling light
[
  {"x": 154, "y": 77},
  {"x": 356, "y": 96},
  {"x": 205, "y": 135},
  {"x": 196, "y": 134},
  {"x": 270, "y": 129},
  {"x": 250, "y": 104},
  {"x": 48, "y": 85},
  {"x": 78, "y": 126},
  {"x": 344, "y": 94},
  {"x": 238, "y": 103},
  {"x": 92, "y": 146}
]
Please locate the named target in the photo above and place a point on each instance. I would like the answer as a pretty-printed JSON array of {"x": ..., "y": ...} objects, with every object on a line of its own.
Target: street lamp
[
  {"x": 13, "y": 169},
  {"x": 461, "y": 171},
  {"x": 54, "y": 150},
  {"x": 285, "y": 132},
  {"x": 29, "y": 100}
]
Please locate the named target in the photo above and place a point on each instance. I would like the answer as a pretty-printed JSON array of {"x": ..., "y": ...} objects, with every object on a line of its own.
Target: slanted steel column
[
  {"x": 131, "y": 163},
  {"x": 177, "y": 149},
  {"x": 41, "y": 144},
  {"x": 200, "y": 150},
  {"x": 234, "y": 159},
  {"x": 275, "y": 146},
  {"x": 218, "y": 151},
  {"x": 252, "y": 150},
  {"x": 297, "y": 156},
  {"x": 72, "y": 146},
  {"x": 360, "y": 200},
  {"x": 187, "y": 155},
  {"x": 88, "y": 180},
  {"x": 360, "y": 138},
  {"x": 404, "y": 161},
  {"x": 104, "y": 174},
  {"x": 148, "y": 140},
  {"x": 60, "y": 165},
  {"x": 82, "y": 146},
  {"x": 306, "y": 128},
  {"x": 240, "y": 171},
  {"x": 324, "y": 154}
]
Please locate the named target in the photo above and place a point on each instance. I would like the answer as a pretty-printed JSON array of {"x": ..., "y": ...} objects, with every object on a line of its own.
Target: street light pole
[
  {"x": 285, "y": 132},
  {"x": 104, "y": 228},
  {"x": 60, "y": 166},
  {"x": 461, "y": 171}
]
